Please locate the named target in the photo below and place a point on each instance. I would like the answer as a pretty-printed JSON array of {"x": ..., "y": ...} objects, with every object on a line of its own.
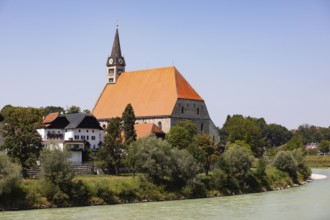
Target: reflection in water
[{"x": 308, "y": 202}]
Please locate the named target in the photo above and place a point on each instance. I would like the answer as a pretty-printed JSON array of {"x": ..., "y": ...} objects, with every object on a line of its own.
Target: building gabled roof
[
  {"x": 70, "y": 121},
  {"x": 144, "y": 130},
  {"x": 82, "y": 120},
  {"x": 152, "y": 92}
]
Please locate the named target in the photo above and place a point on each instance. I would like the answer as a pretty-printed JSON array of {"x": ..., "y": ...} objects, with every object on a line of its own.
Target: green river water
[{"x": 308, "y": 202}]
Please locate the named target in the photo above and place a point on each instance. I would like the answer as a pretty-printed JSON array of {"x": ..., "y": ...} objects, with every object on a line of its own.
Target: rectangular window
[
  {"x": 76, "y": 137},
  {"x": 87, "y": 137},
  {"x": 83, "y": 137},
  {"x": 93, "y": 138}
]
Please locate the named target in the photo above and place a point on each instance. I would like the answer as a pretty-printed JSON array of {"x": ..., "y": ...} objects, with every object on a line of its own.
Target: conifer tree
[
  {"x": 128, "y": 118},
  {"x": 111, "y": 155}
]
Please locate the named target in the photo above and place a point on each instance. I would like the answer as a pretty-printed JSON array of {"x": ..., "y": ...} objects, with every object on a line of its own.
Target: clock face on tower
[
  {"x": 121, "y": 61},
  {"x": 111, "y": 61}
]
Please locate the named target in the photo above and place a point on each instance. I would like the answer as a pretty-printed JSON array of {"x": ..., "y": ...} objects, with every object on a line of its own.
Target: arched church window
[
  {"x": 160, "y": 124},
  {"x": 182, "y": 110},
  {"x": 197, "y": 111},
  {"x": 202, "y": 127}
]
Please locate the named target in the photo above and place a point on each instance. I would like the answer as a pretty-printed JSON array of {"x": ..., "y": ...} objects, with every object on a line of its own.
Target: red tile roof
[
  {"x": 144, "y": 130},
  {"x": 152, "y": 92}
]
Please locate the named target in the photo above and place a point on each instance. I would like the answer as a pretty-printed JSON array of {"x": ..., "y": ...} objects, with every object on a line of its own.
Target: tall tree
[
  {"x": 128, "y": 118},
  {"x": 21, "y": 139},
  {"x": 207, "y": 152},
  {"x": 245, "y": 129},
  {"x": 111, "y": 155}
]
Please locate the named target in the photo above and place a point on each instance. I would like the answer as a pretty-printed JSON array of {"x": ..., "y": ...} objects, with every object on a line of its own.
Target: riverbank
[{"x": 91, "y": 190}]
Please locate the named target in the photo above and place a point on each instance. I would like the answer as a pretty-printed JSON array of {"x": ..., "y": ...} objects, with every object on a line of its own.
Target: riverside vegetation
[{"x": 254, "y": 157}]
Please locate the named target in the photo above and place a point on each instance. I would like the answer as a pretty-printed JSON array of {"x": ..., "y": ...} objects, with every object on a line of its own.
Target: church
[{"x": 159, "y": 96}]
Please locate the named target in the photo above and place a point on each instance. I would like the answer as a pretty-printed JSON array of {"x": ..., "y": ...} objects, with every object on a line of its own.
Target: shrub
[
  {"x": 10, "y": 173},
  {"x": 277, "y": 178},
  {"x": 285, "y": 161}
]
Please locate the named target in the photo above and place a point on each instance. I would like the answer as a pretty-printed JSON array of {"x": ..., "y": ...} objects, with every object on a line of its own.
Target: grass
[{"x": 317, "y": 161}]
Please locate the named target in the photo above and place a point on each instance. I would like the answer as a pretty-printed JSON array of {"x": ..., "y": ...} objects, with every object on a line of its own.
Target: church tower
[{"x": 115, "y": 62}]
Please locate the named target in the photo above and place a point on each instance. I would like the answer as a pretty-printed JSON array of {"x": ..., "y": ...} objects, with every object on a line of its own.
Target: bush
[
  {"x": 10, "y": 173},
  {"x": 277, "y": 179},
  {"x": 285, "y": 161}
]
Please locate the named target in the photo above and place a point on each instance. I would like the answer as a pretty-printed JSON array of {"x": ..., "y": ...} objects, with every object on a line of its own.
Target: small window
[
  {"x": 83, "y": 137},
  {"x": 160, "y": 124},
  {"x": 104, "y": 126},
  {"x": 76, "y": 137},
  {"x": 202, "y": 128},
  {"x": 92, "y": 131},
  {"x": 110, "y": 80},
  {"x": 87, "y": 131},
  {"x": 182, "y": 110},
  {"x": 87, "y": 137},
  {"x": 197, "y": 111},
  {"x": 93, "y": 137},
  {"x": 79, "y": 131}
]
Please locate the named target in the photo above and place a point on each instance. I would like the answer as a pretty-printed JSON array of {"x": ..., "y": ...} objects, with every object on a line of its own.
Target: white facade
[{"x": 74, "y": 140}]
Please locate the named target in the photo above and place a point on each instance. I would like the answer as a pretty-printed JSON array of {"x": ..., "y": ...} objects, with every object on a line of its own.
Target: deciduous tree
[{"x": 21, "y": 139}]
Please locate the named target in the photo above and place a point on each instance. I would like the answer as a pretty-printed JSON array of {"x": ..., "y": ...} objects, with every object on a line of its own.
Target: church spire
[{"x": 115, "y": 62}]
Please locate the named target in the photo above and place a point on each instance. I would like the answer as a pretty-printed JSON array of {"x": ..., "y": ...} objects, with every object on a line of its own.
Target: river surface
[{"x": 308, "y": 202}]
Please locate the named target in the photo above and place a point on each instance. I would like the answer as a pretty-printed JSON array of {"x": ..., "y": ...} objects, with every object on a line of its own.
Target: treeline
[{"x": 184, "y": 165}]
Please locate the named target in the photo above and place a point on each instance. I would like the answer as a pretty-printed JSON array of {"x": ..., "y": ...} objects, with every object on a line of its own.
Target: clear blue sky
[{"x": 267, "y": 59}]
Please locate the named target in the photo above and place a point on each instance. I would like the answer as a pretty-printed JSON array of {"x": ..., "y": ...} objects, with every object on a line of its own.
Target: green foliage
[
  {"x": 324, "y": 147},
  {"x": 182, "y": 134},
  {"x": 206, "y": 152},
  {"x": 162, "y": 163},
  {"x": 296, "y": 142},
  {"x": 318, "y": 161},
  {"x": 237, "y": 162},
  {"x": 277, "y": 179},
  {"x": 128, "y": 118},
  {"x": 9, "y": 174},
  {"x": 21, "y": 139},
  {"x": 285, "y": 162},
  {"x": 245, "y": 129},
  {"x": 111, "y": 156},
  {"x": 277, "y": 135},
  {"x": 50, "y": 109},
  {"x": 73, "y": 109},
  {"x": 57, "y": 169},
  {"x": 302, "y": 167}
]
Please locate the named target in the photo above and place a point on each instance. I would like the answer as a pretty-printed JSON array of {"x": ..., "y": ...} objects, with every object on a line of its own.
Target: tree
[
  {"x": 162, "y": 163},
  {"x": 207, "y": 151},
  {"x": 111, "y": 155},
  {"x": 50, "y": 109},
  {"x": 245, "y": 129},
  {"x": 128, "y": 118},
  {"x": 57, "y": 171},
  {"x": 182, "y": 134},
  {"x": 21, "y": 139},
  {"x": 237, "y": 162},
  {"x": 285, "y": 161},
  {"x": 9, "y": 174},
  {"x": 277, "y": 135},
  {"x": 324, "y": 147},
  {"x": 296, "y": 142},
  {"x": 73, "y": 109}
]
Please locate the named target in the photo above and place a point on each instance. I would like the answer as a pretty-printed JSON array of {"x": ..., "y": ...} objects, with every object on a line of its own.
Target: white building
[{"x": 76, "y": 133}]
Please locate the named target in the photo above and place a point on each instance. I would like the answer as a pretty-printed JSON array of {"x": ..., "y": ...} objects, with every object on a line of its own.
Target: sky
[{"x": 268, "y": 59}]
